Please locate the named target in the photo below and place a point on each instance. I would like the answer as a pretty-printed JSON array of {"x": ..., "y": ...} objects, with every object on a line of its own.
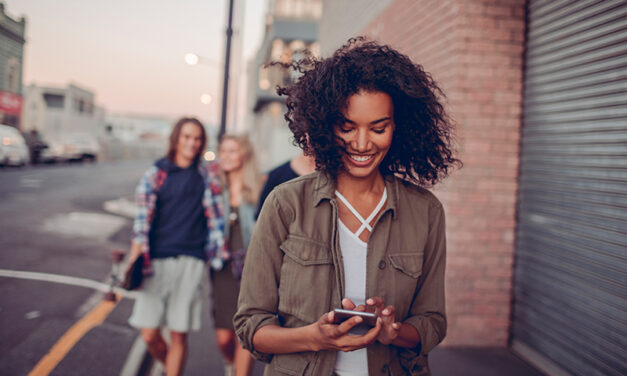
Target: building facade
[
  {"x": 291, "y": 27},
  {"x": 536, "y": 220},
  {"x": 133, "y": 127},
  {"x": 58, "y": 111},
  {"x": 12, "y": 40},
  {"x": 133, "y": 136}
]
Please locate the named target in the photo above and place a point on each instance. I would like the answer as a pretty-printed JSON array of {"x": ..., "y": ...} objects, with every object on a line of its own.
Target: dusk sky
[{"x": 130, "y": 53}]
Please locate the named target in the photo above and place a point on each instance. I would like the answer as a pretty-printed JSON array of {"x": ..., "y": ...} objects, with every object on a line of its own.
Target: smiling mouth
[{"x": 360, "y": 158}]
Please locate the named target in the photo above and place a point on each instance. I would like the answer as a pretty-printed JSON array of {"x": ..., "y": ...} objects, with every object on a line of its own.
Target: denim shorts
[{"x": 172, "y": 296}]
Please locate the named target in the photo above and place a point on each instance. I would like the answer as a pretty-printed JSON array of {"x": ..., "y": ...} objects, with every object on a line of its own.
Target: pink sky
[{"x": 130, "y": 53}]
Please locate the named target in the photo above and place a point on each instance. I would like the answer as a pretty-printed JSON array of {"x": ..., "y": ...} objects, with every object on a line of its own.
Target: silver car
[{"x": 13, "y": 149}]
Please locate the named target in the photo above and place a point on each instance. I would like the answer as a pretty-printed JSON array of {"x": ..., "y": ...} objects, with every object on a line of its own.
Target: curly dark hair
[{"x": 421, "y": 149}]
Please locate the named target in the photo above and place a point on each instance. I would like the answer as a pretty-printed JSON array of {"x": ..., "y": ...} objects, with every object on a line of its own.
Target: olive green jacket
[{"x": 294, "y": 273}]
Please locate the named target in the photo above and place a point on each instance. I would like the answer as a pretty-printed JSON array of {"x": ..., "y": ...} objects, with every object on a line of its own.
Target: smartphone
[{"x": 341, "y": 315}]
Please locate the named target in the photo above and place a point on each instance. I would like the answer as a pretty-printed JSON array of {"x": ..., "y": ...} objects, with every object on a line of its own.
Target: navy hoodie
[{"x": 179, "y": 226}]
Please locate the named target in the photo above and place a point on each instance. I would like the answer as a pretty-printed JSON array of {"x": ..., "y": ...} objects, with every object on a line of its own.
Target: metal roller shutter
[{"x": 570, "y": 309}]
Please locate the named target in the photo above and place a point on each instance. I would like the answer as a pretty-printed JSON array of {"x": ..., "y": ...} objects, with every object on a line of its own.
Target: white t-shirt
[
  {"x": 354, "y": 251},
  {"x": 354, "y": 257}
]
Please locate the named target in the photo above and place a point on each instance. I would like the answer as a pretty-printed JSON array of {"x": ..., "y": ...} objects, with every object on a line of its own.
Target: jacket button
[{"x": 381, "y": 264}]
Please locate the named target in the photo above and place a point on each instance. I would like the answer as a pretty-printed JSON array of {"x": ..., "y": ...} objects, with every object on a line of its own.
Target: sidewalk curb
[{"x": 121, "y": 206}]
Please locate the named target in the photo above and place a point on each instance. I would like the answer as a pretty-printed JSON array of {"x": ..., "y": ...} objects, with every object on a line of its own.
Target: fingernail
[{"x": 358, "y": 319}]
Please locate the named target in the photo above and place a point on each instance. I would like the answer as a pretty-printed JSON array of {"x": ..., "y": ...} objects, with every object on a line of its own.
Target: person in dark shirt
[
  {"x": 295, "y": 167},
  {"x": 178, "y": 227},
  {"x": 35, "y": 145}
]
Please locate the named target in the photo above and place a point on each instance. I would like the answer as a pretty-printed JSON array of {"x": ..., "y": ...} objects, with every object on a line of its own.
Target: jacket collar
[{"x": 324, "y": 189}]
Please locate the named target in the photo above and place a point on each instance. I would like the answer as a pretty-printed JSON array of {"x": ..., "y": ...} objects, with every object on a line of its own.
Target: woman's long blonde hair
[{"x": 251, "y": 186}]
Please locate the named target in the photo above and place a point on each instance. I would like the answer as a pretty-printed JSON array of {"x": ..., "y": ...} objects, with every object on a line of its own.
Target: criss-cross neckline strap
[{"x": 365, "y": 223}]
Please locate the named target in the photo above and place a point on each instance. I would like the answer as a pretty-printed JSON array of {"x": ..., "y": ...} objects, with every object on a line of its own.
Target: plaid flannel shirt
[{"x": 146, "y": 202}]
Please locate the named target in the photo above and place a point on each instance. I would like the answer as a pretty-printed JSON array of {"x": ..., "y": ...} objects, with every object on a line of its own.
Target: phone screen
[{"x": 369, "y": 319}]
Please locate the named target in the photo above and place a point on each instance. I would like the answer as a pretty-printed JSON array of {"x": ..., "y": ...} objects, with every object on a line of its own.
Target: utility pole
[{"x": 227, "y": 60}]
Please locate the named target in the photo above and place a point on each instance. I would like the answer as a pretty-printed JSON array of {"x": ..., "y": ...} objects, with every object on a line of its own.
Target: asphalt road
[{"x": 51, "y": 222}]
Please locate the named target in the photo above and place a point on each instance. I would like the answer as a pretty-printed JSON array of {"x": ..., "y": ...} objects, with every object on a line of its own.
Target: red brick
[
  {"x": 474, "y": 49},
  {"x": 498, "y": 11}
]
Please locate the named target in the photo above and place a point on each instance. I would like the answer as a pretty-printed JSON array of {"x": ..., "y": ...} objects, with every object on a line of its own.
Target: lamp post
[{"x": 227, "y": 59}]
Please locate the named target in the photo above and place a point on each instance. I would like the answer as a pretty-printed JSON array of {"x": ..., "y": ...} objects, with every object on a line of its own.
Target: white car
[
  {"x": 53, "y": 152},
  {"x": 13, "y": 149},
  {"x": 71, "y": 147}
]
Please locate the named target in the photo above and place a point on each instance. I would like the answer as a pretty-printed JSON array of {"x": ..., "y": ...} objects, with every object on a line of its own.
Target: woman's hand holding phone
[
  {"x": 389, "y": 328},
  {"x": 330, "y": 336}
]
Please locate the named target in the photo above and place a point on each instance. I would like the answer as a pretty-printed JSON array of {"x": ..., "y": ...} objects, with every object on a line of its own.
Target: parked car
[
  {"x": 82, "y": 147},
  {"x": 71, "y": 148},
  {"x": 52, "y": 153},
  {"x": 13, "y": 149}
]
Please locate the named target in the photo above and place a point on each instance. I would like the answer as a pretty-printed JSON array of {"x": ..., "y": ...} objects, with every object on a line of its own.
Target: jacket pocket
[
  {"x": 306, "y": 251},
  {"x": 405, "y": 269},
  {"x": 407, "y": 263},
  {"x": 307, "y": 277},
  {"x": 288, "y": 364}
]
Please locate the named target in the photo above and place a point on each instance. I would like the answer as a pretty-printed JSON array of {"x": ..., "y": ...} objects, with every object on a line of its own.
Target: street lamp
[
  {"x": 227, "y": 59},
  {"x": 206, "y": 99},
  {"x": 209, "y": 155},
  {"x": 193, "y": 59}
]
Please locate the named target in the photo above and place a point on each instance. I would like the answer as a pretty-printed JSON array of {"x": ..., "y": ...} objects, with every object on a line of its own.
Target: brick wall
[
  {"x": 474, "y": 50},
  {"x": 334, "y": 30}
]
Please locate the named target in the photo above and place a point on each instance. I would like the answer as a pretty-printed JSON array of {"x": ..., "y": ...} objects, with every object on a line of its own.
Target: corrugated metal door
[{"x": 570, "y": 308}]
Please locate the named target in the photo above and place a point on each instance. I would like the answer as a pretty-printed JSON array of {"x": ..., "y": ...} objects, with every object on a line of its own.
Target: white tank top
[{"x": 354, "y": 253}]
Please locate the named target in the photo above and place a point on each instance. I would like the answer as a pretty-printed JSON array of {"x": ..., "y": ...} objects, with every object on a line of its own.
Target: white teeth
[{"x": 361, "y": 158}]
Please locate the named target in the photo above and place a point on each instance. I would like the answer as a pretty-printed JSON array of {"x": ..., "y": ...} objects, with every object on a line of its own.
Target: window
[
  {"x": 83, "y": 107},
  {"x": 298, "y": 8},
  {"x": 54, "y": 100},
  {"x": 13, "y": 75}
]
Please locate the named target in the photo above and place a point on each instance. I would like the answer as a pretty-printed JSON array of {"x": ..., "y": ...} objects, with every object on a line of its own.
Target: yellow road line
[{"x": 63, "y": 346}]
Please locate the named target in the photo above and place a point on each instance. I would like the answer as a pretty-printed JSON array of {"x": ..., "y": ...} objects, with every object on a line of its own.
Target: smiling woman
[
  {"x": 366, "y": 132},
  {"x": 362, "y": 233},
  {"x": 420, "y": 150}
]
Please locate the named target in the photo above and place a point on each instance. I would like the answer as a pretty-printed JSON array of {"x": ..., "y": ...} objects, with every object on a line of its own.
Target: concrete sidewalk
[
  {"x": 478, "y": 361},
  {"x": 204, "y": 357},
  {"x": 444, "y": 361}
]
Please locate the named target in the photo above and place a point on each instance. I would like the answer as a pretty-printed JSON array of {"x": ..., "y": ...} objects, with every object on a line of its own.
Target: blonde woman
[{"x": 241, "y": 179}]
